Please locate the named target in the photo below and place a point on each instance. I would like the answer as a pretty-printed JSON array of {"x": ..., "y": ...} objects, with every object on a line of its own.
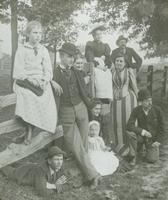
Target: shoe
[{"x": 133, "y": 162}]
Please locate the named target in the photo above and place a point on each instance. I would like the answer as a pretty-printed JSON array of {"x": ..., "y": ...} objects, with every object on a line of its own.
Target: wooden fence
[
  {"x": 158, "y": 82},
  {"x": 15, "y": 152}
]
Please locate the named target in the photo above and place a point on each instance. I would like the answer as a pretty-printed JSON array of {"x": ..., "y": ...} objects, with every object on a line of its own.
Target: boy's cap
[
  {"x": 144, "y": 94},
  {"x": 54, "y": 150},
  {"x": 121, "y": 37},
  {"x": 69, "y": 48}
]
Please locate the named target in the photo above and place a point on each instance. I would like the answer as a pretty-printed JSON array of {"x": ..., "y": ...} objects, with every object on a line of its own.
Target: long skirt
[
  {"x": 121, "y": 110},
  {"x": 40, "y": 111}
]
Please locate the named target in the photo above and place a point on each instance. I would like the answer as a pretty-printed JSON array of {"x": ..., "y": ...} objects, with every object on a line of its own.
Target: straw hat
[{"x": 97, "y": 26}]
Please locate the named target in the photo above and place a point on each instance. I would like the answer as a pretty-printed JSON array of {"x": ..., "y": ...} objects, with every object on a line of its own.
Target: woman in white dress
[
  {"x": 104, "y": 161},
  {"x": 33, "y": 69}
]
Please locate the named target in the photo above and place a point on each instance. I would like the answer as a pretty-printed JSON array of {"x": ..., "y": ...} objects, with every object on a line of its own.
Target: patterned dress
[
  {"x": 39, "y": 111},
  {"x": 105, "y": 162},
  {"x": 125, "y": 91}
]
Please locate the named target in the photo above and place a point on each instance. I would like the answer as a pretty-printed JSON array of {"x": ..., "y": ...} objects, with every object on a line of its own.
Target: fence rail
[{"x": 15, "y": 152}]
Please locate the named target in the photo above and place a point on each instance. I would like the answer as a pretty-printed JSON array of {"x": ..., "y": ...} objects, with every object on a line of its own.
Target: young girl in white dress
[
  {"x": 32, "y": 64},
  {"x": 102, "y": 159}
]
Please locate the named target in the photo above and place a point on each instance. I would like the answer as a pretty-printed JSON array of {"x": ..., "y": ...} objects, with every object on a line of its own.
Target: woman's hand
[{"x": 57, "y": 88}]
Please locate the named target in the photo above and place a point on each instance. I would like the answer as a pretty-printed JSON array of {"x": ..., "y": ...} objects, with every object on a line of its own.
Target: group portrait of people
[{"x": 96, "y": 100}]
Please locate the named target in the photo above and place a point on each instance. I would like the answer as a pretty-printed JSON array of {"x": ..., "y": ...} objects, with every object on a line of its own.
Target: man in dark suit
[
  {"x": 133, "y": 60},
  {"x": 47, "y": 178},
  {"x": 145, "y": 125},
  {"x": 73, "y": 110}
]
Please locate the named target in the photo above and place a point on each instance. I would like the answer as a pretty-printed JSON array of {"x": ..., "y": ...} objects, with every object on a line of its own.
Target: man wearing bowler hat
[
  {"x": 145, "y": 125},
  {"x": 129, "y": 53},
  {"x": 73, "y": 113},
  {"x": 47, "y": 177}
]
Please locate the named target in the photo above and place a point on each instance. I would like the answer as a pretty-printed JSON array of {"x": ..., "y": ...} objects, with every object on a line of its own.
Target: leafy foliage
[{"x": 147, "y": 19}]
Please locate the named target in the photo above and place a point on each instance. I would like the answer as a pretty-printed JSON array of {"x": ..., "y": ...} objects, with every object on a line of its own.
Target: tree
[
  {"x": 147, "y": 18},
  {"x": 55, "y": 16}
]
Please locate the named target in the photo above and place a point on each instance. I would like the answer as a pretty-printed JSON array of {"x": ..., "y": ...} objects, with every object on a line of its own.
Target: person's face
[
  {"x": 97, "y": 35},
  {"x": 35, "y": 35},
  {"x": 56, "y": 162},
  {"x": 96, "y": 110},
  {"x": 94, "y": 130},
  {"x": 147, "y": 104},
  {"x": 122, "y": 43},
  {"x": 79, "y": 63},
  {"x": 120, "y": 63},
  {"x": 67, "y": 60}
]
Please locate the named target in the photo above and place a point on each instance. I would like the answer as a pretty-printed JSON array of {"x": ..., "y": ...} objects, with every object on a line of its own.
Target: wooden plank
[
  {"x": 10, "y": 125},
  {"x": 7, "y": 100},
  {"x": 15, "y": 152}
]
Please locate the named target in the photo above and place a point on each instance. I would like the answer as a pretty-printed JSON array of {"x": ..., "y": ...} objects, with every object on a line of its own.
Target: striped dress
[{"x": 125, "y": 91}]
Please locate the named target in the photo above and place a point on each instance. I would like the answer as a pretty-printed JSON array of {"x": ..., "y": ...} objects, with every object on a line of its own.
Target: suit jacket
[
  {"x": 57, "y": 76},
  {"x": 129, "y": 56},
  {"x": 153, "y": 122},
  {"x": 37, "y": 175}
]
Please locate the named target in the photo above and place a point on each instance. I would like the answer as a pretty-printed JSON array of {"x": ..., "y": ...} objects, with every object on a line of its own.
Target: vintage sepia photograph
[{"x": 83, "y": 99}]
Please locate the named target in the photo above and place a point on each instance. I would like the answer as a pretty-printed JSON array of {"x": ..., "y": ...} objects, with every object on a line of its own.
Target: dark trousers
[
  {"x": 136, "y": 143},
  {"x": 106, "y": 124}
]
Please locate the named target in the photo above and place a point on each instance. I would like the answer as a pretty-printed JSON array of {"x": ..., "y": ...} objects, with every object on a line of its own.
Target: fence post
[
  {"x": 164, "y": 81},
  {"x": 150, "y": 78}
]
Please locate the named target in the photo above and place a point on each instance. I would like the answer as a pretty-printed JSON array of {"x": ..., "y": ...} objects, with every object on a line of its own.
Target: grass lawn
[{"x": 145, "y": 182}]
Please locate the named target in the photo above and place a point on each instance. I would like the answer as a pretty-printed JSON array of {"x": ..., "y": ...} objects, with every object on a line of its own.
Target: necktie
[
  {"x": 67, "y": 72},
  {"x": 35, "y": 51},
  {"x": 54, "y": 177}
]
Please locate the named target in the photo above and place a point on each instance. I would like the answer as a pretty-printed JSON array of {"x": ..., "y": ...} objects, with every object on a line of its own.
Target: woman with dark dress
[{"x": 97, "y": 53}]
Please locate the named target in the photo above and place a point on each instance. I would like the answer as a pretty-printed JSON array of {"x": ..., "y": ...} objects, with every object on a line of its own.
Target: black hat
[
  {"x": 121, "y": 37},
  {"x": 54, "y": 150},
  {"x": 144, "y": 94},
  {"x": 69, "y": 48}
]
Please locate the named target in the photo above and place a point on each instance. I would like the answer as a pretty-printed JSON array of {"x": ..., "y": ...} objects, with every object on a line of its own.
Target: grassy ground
[{"x": 145, "y": 182}]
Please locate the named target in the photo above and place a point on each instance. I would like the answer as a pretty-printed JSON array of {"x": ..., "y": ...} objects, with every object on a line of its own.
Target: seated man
[
  {"x": 145, "y": 124},
  {"x": 47, "y": 178}
]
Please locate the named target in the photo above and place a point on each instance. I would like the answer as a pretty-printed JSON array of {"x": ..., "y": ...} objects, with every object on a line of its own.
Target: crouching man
[
  {"x": 47, "y": 178},
  {"x": 145, "y": 125}
]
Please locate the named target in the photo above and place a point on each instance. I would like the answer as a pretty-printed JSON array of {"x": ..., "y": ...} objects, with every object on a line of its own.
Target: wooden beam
[
  {"x": 10, "y": 125},
  {"x": 7, "y": 100},
  {"x": 15, "y": 152}
]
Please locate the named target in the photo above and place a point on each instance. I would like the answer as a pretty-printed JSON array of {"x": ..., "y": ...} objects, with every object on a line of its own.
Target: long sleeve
[
  {"x": 107, "y": 55},
  {"x": 89, "y": 53},
  {"x": 41, "y": 184},
  {"x": 19, "y": 64},
  {"x": 131, "y": 124},
  {"x": 47, "y": 66},
  {"x": 138, "y": 60},
  {"x": 132, "y": 81}
]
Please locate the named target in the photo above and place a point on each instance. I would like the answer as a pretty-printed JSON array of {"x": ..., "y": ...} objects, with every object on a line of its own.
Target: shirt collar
[
  {"x": 31, "y": 47},
  {"x": 146, "y": 111},
  {"x": 64, "y": 68},
  {"x": 52, "y": 171}
]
